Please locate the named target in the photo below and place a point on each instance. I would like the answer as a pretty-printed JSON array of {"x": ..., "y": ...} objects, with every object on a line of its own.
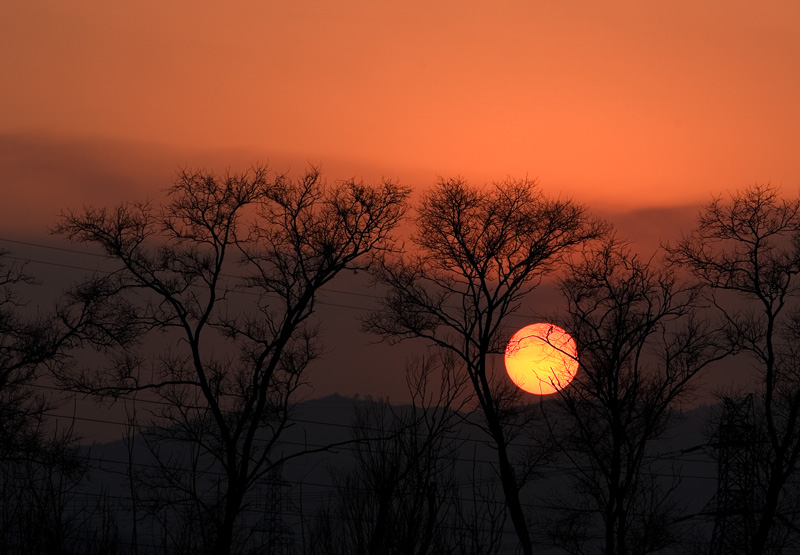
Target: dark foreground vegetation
[{"x": 202, "y": 327}]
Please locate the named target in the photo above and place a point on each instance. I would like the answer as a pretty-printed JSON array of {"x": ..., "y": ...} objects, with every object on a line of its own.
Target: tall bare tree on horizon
[
  {"x": 224, "y": 278},
  {"x": 745, "y": 250},
  {"x": 477, "y": 254},
  {"x": 641, "y": 342}
]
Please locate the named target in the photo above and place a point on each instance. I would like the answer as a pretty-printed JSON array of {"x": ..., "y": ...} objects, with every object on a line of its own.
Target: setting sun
[{"x": 541, "y": 358}]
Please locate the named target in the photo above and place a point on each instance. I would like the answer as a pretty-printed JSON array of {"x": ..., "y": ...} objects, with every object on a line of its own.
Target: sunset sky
[{"x": 626, "y": 106}]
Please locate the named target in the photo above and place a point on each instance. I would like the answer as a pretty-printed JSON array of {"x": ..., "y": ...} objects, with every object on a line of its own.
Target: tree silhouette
[
  {"x": 746, "y": 251},
  {"x": 397, "y": 496},
  {"x": 40, "y": 467},
  {"x": 225, "y": 276},
  {"x": 21, "y": 353},
  {"x": 640, "y": 344},
  {"x": 29, "y": 339},
  {"x": 477, "y": 253}
]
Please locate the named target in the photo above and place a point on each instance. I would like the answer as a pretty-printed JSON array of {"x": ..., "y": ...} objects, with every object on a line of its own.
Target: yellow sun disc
[{"x": 541, "y": 358}]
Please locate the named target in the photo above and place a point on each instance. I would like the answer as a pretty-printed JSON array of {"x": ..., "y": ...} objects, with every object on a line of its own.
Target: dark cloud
[
  {"x": 43, "y": 176},
  {"x": 649, "y": 228}
]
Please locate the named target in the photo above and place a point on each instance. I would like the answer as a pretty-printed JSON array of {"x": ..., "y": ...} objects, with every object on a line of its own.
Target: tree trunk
[
  {"x": 509, "y": 482},
  {"x": 224, "y": 541},
  {"x": 767, "y": 517}
]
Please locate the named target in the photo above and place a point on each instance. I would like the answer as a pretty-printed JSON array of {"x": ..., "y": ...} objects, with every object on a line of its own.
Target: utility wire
[
  {"x": 307, "y": 445},
  {"x": 107, "y": 257},
  {"x": 671, "y": 455}
]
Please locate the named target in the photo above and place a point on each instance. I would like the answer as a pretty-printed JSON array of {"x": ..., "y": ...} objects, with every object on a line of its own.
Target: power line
[
  {"x": 281, "y": 481},
  {"x": 107, "y": 257},
  {"x": 315, "y": 446},
  {"x": 669, "y": 455},
  {"x": 54, "y": 248}
]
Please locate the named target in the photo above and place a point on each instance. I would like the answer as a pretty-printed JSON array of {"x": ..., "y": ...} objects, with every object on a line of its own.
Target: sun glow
[{"x": 541, "y": 358}]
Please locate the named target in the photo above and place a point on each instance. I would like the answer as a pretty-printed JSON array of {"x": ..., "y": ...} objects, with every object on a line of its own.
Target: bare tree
[
  {"x": 21, "y": 354},
  {"x": 40, "y": 466},
  {"x": 31, "y": 338},
  {"x": 746, "y": 251},
  {"x": 477, "y": 254},
  {"x": 226, "y": 275},
  {"x": 640, "y": 345},
  {"x": 397, "y": 496}
]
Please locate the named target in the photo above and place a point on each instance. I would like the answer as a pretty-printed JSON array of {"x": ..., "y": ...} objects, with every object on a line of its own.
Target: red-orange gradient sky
[
  {"x": 617, "y": 104},
  {"x": 640, "y": 107}
]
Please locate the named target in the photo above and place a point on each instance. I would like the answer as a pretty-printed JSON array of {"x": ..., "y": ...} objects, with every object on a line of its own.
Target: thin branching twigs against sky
[
  {"x": 478, "y": 252},
  {"x": 228, "y": 372}
]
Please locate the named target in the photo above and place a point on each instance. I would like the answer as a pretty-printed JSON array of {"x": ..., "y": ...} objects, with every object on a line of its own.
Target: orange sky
[
  {"x": 617, "y": 104},
  {"x": 634, "y": 106}
]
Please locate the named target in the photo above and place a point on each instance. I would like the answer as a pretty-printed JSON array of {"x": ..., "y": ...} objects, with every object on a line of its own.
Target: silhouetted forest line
[{"x": 202, "y": 328}]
